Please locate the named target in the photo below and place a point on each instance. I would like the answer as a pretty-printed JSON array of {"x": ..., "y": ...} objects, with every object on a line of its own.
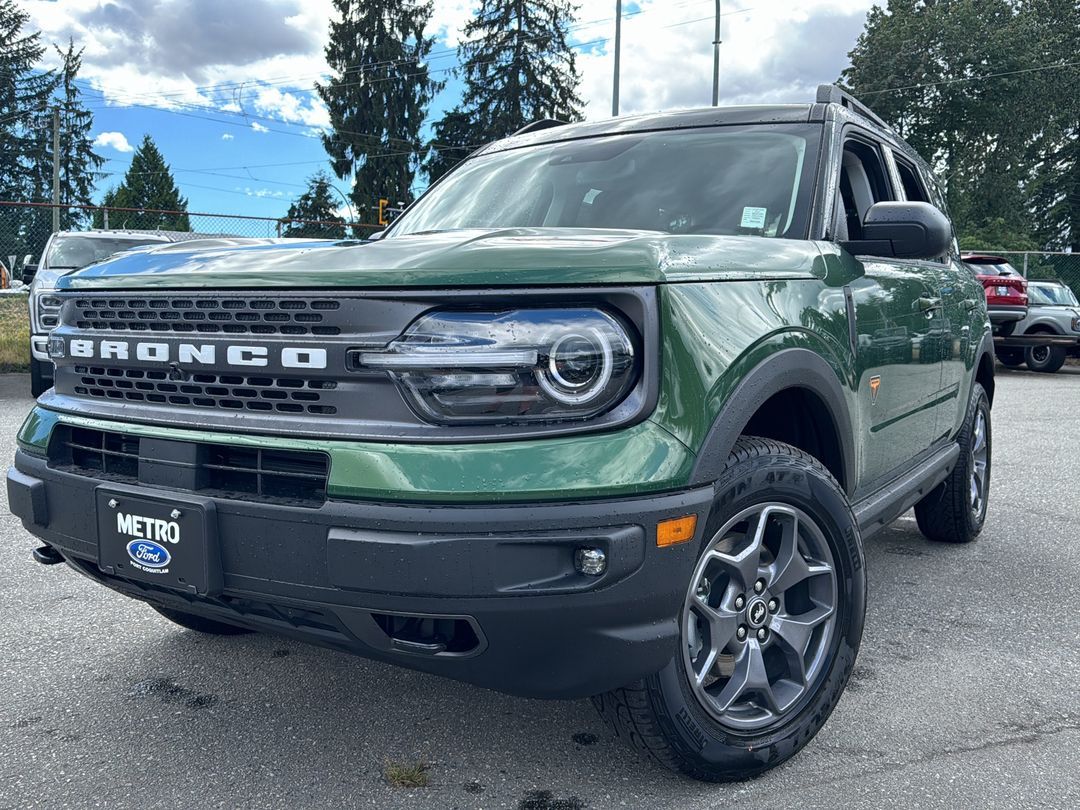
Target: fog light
[
  {"x": 590, "y": 561},
  {"x": 57, "y": 349}
]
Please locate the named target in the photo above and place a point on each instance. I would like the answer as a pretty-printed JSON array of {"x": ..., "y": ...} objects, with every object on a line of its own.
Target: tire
[
  {"x": 200, "y": 624},
  {"x": 1010, "y": 358},
  {"x": 951, "y": 513},
  {"x": 670, "y": 716},
  {"x": 39, "y": 384},
  {"x": 1046, "y": 359}
]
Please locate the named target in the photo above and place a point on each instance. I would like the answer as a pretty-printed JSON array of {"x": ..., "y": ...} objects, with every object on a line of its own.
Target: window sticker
[{"x": 753, "y": 218}]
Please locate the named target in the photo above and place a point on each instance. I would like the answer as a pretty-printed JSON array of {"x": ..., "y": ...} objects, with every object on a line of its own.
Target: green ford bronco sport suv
[{"x": 607, "y": 412}]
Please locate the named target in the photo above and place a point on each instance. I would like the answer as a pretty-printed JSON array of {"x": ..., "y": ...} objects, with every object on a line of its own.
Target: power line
[{"x": 961, "y": 79}]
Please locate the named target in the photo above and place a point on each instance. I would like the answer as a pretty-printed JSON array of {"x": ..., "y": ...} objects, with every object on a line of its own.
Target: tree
[
  {"x": 452, "y": 140},
  {"x": 1055, "y": 153},
  {"x": 518, "y": 67},
  {"x": 313, "y": 214},
  {"x": 148, "y": 186},
  {"x": 25, "y": 133},
  {"x": 985, "y": 91},
  {"x": 931, "y": 70},
  {"x": 78, "y": 160},
  {"x": 378, "y": 96}
]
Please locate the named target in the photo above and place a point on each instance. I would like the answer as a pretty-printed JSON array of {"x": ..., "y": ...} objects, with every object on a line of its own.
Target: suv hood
[{"x": 480, "y": 258}]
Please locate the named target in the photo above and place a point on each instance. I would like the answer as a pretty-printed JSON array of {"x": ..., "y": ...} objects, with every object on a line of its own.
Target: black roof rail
[
  {"x": 543, "y": 123},
  {"x": 831, "y": 94}
]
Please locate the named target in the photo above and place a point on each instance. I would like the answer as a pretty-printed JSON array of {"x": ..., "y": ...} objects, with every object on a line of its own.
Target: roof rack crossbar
[
  {"x": 831, "y": 94},
  {"x": 543, "y": 123}
]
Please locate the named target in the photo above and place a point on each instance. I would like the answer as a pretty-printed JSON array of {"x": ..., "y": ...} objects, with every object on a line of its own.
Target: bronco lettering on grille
[{"x": 205, "y": 354}]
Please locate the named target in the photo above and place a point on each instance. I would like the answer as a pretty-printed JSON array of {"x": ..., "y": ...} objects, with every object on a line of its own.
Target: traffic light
[{"x": 383, "y": 202}]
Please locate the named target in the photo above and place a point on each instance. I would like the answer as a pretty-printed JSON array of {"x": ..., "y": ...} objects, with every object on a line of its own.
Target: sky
[{"x": 226, "y": 87}]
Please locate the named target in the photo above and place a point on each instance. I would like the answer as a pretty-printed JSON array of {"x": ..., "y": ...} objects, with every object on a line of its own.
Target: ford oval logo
[{"x": 148, "y": 553}]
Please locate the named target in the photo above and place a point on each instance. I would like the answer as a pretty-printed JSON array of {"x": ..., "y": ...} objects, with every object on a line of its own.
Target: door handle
[
  {"x": 969, "y": 304},
  {"x": 929, "y": 304}
]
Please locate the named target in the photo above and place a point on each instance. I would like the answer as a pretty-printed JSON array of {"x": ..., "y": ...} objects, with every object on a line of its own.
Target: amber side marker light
[{"x": 675, "y": 531}]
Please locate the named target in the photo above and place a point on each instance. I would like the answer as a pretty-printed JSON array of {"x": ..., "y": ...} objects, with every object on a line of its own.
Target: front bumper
[
  {"x": 39, "y": 348},
  {"x": 348, "y": 575}
]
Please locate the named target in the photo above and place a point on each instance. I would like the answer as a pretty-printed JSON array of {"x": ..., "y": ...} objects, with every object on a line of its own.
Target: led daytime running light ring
[{"x": 553, "y": 383}]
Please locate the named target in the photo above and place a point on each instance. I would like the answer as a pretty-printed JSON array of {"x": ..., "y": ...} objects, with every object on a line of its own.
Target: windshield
[
  {"x": 75, "y": 252},
  {"x": 746, "y": 180},
  {"x": 1051, "y": 295}
]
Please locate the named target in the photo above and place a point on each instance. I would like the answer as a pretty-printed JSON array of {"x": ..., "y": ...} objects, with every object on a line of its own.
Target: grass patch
[
  {"x": 14, "y": 333},
  {"x": 406, "y": 774}
]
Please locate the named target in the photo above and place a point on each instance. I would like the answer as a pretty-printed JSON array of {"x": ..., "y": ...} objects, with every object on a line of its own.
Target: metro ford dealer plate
[{"x": 164, "y": 541}]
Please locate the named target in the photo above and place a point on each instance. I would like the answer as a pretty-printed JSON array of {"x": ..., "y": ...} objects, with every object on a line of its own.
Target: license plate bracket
[{"x": 165, "y": 540}]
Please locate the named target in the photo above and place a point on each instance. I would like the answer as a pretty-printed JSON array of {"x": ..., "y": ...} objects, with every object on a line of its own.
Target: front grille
[
  {"x": 227, "y": 391},
  {"x": 240, "y": 315},
  {"x": 294, "y": 477}
]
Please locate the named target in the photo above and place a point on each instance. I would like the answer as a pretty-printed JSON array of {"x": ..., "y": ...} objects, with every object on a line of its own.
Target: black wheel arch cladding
[{"x": 788, "y": 369}]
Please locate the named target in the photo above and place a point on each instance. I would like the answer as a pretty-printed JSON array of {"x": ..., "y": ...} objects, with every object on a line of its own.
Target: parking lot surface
[{"x": 966, "y": 691}]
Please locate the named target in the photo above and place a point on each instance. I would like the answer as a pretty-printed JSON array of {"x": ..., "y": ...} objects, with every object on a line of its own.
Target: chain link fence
[
  {"x": 25, "y": 228},
  {"x": 1036, "y": 265}
]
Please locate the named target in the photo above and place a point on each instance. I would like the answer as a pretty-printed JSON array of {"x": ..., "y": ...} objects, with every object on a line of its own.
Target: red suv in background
[{"x": 1006, "y": 290}]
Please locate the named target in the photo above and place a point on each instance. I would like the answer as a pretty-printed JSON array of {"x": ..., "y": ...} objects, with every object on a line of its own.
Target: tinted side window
[
  {"x": 914, "y": 191},
  {"x": 863, "y": 182}
]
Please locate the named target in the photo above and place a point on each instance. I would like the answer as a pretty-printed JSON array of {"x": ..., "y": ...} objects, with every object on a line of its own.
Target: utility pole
[
  {"x": 716, "y": 60},
  {"x": 618, "y": 49},
  {"x": 56, "y": 169}
]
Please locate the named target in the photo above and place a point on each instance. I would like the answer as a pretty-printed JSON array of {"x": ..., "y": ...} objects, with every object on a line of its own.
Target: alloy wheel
[
  {"x": 980, "y": 464},
  {"x": 759, "y": 616}
]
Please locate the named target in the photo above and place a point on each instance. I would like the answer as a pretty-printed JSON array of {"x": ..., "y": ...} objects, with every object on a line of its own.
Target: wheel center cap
[{"x": 756, "y": 613}]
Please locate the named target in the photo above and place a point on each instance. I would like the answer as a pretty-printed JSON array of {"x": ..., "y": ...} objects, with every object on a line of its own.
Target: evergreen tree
[
  {"x": 378, "y": 96},
  {"x": 1055, "y": 153},
  {"x": 78, "y": 160},
  {"x": 453, "y": 138},
  {"x": 148, "y": 185},
  {"x": 932, "y": 70},
  {"x": 518, "y": 67},
  {"x": 985, "y": 90},
  {"x": 25, "y": 133},
  {"x": 313, "y": 214}
]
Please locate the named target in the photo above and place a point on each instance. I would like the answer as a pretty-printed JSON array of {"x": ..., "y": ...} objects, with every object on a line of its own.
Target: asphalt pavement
[{"x": 966, "y": 692}]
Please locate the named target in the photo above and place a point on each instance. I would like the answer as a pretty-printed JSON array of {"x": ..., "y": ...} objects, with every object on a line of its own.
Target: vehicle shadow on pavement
[
  {"x": 258, "y": 712},
  {"x": 261, "y": 720}
]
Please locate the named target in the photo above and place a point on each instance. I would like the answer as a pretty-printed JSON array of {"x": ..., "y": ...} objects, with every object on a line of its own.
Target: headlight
[
  {"x": 524, "y": 365},
  {"x": 47, "y": 312},
  {"x": 1076, "y": 324}
]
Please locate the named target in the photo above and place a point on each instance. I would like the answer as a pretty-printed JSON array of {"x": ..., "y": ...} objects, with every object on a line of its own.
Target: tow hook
[{"x": 47, "y": 555}]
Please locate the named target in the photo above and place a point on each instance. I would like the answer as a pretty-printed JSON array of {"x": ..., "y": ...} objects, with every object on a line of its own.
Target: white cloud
[
  {"x": 220, "y": 56},
  {"x": 277, "y": 103},
  {"x": 227, "y": 136},
  {"x": 261, "y": 58},
  {"x": 262, "y": 192},
  {"x": 772, "y": 51},
  {"x": 114, "y": 140}
]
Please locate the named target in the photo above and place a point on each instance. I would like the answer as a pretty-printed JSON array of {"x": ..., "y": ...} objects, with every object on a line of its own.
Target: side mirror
[
  {"x": 904, "y": 230},
  {"x": 375, "y": 237},
  {"x": 28, "y": 273}
]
